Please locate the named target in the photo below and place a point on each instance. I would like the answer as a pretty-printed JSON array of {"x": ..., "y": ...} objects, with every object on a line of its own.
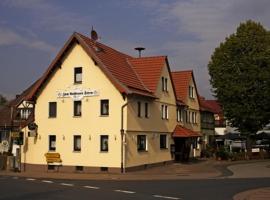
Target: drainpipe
[{"x": 122, "y": 137}]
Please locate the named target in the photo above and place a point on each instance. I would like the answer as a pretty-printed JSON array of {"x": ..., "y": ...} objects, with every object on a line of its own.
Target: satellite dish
[{"x": 94, "y": 35}]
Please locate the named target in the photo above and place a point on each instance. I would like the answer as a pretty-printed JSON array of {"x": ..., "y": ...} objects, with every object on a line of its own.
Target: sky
[{"x": 187, "y": 31}]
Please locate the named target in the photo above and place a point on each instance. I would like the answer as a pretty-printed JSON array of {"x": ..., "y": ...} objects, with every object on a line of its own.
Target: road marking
[
  {"x": 30, "y": 179},
  {"x": 165, "y": 197},
  {"x": 91, "y": 187},
  {"x": 15, "y": 177},
  {"x": 125, "y": 191},
  {"x": 67, "y": 184},
  {"x": 45, "y": 181}
]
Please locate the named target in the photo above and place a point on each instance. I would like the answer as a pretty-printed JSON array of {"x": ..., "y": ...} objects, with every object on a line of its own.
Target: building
[
  {"x": 187, "y": 132},
  {"x": 102, "y": 110},
  {"x": 207, "y": 123}
]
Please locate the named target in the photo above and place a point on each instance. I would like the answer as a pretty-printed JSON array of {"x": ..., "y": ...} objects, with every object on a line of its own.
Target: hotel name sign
[{"x": 77, "y": 94}]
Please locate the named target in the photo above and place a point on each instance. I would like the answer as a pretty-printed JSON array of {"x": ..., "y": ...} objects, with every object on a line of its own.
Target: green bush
[{"x": 223, "y": 154}]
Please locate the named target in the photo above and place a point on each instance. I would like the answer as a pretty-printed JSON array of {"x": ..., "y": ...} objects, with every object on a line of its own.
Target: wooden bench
[{"x": 53, "y": 159}]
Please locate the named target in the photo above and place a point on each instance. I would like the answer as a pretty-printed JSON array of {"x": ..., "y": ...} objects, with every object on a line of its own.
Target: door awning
[{"x": 183, "y": 132}]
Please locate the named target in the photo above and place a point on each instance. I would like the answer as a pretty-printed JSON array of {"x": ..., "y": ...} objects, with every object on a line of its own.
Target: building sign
[{"x": 77, "y": 94}]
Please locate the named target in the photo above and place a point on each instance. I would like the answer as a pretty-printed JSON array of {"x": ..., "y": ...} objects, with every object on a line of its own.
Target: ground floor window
[
  {"x": 77, "y": 143},
  {"x": 163, "y": 141},
  {"x": 141, "y": 143},
  {"x": 104, "y": 143},
  {"x": 52, "y": 142}
]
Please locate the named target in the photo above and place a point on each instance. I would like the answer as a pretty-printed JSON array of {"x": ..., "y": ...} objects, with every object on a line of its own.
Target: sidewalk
[{"x": 257, "y": 194}]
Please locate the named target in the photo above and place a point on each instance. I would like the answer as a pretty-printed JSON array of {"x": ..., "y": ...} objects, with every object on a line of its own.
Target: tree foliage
[
  {"x": 3, "y": 100},
  {"x": 240, "y": 76}
]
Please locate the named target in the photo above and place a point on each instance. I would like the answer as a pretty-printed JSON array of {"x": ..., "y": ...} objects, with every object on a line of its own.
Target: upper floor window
[
  {"x": 179, "y": 115},
  {"x": 164, "y": 112},
  {"x": 77, "y": 143},
  {"x": 164, "y": 82},
  {"x": 52, "y": 142},
  {"x": 191, "y": 92},
  {"x": 78, "y": 75},
  {"x": 77, "y": 108},
  {"x": 146, "y": 111},
  {"x": 141, "y": 143},
  {"x": 139, "y": 108},
  {"x": 104, "y": 107},
  {"x": 52, "y": 109},
  {"x": 25, "y": 113}
]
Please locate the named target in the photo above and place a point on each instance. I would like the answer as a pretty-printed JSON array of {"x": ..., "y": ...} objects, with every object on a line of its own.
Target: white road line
[
  {"x": 67, "y": 184},
  {"x": 125, "y": 191},
  {"x": 166, "y": 197},
  {"x": 15, "y": 177},
  {"x": 91, "y": 187},
  {"x": 30, "y": 179},
  {"x": 45, "y": 181}
]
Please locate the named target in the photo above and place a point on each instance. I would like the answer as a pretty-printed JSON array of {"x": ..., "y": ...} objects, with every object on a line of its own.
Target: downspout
[{"x": 122, "y": 136}]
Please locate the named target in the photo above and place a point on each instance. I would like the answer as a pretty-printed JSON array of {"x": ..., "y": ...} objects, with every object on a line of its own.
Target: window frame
[
  {"x": 102, "y": 103},
  {"x": 52, "y": 148},
  {"x": 75, "y": 147},
  {"x": 75, "y": 104},
  {"x": 146, "y": 110},
  {"x": 102, "y": 137},
  {"x": 52, "y": 110},
  {"x": 140, "y": 146},
  {"x": 163, "y": 145},
  {"x": 77, "y": 70},
  {"x": 139, "y": 107}
]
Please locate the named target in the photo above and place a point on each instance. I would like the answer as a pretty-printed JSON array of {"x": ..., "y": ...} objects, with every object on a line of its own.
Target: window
[
  {"x": 78, "y": 75},
  {"x": 141, "y": 143},
  {"x": 164, "y": 112},
  {"x": 163, "y": 141},
  {"x": 52, "y": 109},
  {"x": 77, "y": 143},
  {"x": 104, "y": 107},
  {"x": 191, "y": 92},
  {"x": 139, "y": 108},
  {"x": 164, "y": 84},
  {"x": 186, "y": 115},
  {"x": 178, "y": 114},
  {"x": 77, "y": 108},
  {"x": 52, "y": 142},
  {"x": 25, "y": 113},
  {"x": 104, "y": 143},
  {"x": 146, "y": 114}
]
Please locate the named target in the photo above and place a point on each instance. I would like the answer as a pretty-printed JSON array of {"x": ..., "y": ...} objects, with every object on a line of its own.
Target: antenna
[
  {"x": 94, "y": 35},
  {"x": 139, "y": 49}
]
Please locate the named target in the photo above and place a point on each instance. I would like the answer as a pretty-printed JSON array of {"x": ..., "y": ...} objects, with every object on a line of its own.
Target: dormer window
[
  {"x": 191, "y": 92},
  {"x": 78, "y": 75},
  {"x": 164, "y": 82},
  {"x": 25, "y": 113}
]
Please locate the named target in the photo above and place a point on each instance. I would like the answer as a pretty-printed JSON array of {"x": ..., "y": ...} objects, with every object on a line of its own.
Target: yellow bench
[{"x": 53, "y": 159}]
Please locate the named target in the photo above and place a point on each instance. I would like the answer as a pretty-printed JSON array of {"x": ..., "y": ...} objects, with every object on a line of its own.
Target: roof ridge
[
  {"x": 145, "y": 57},
  {"x": 179, "y": 71}
]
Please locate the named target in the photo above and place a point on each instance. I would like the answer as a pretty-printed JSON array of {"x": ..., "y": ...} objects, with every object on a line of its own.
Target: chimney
[{"x": 139, "y": 49}]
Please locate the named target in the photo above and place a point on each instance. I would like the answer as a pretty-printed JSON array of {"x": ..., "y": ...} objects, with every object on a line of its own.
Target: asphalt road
[{"x": 210, "y": 189}]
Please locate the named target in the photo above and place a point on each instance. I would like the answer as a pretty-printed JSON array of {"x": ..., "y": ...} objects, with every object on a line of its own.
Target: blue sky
[{"x": 187, "y": 31}]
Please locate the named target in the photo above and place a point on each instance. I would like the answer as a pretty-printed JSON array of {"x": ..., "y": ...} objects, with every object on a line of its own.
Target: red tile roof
[
  {"x": 126, "y": 73},
  {"x": 149, "y": 70},
  {"x": 215, "y": 106},
  {"x": 204, "y": 105},
  {"x": 181, "y": 80},
  {"x": 181, "y": 131}
]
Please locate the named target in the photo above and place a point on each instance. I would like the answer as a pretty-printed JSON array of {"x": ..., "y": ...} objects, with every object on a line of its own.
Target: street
[{"x": 13, "y": 187}]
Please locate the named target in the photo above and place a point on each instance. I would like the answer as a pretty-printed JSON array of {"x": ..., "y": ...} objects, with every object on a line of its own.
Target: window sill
[
  {"x": 104, "y": 152},
  {"x": 164, "y": 149},
  {"x": 76, "y": 151},
  {"x": 142, "y": 151},
  {"x": 77, "y": 116},
  {"x": 51, "y": 117},
  {"x": 104, "y": 115},
  {"x": 77, "y": 83}
]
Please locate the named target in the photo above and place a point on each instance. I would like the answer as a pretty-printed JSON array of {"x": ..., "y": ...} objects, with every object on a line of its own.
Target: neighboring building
[
  {"x": 220, "y": 121},
  {"x": 207, "y": 122},
  {"x": 187, "y": 132}
]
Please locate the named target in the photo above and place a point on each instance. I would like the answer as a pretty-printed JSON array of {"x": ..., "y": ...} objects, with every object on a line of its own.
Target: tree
[
  {"x": 240, "y": 76},
  {"x": 3, "y": 100}
]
